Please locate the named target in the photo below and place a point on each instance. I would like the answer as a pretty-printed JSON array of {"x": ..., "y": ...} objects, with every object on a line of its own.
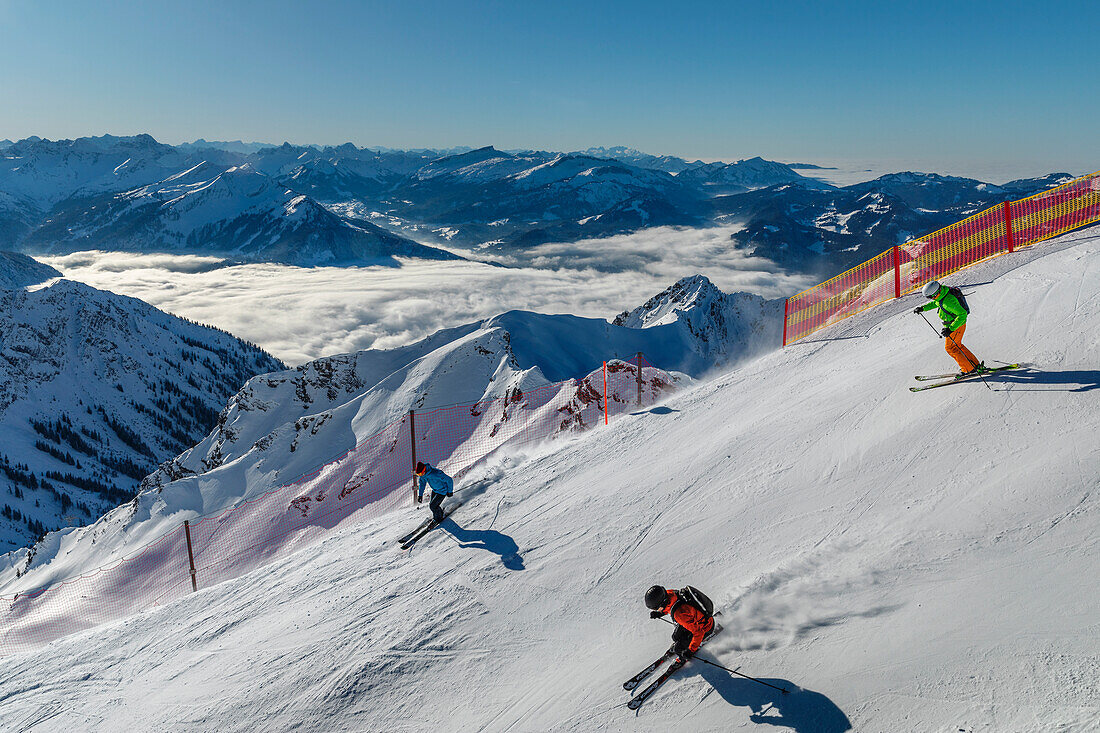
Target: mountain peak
[{"x": 686, "y": 293}]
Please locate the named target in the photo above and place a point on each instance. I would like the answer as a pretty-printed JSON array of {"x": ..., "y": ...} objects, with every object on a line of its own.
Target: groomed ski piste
[{"x": 899, "y": 561}]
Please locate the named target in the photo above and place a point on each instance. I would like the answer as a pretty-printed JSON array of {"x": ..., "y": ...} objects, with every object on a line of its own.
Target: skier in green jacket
[{"x": 953, "y": 314}]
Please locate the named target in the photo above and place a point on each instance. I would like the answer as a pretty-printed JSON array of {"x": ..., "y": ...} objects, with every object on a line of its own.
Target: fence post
[
  {"x": 897, "y": 273},
  {"x": 190, "y": 555},
  {"x": 1008, "y": 226},
  {"x": 605, "y": 420},
  {"x": 639, "y": 379},
  {"x": 786, "y": 305},
  {"x": 412, "y": 442}
]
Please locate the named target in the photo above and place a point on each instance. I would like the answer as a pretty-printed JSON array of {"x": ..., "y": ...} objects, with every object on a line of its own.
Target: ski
[
  {"x": 925, "y": 377},
  {"x": 637, "y": 700},
  {"x": 956, "y": 380},
  {"x": 965, "y": 378},
  {"x": 419, "y": 534},
  {"x": 432, "y": 524},
  {"x": 633, "y": 682},
  {"x": 419, "y": 527}
]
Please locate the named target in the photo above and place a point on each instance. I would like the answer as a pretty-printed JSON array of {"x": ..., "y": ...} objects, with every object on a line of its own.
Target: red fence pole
[
  {"x": 190, "y": 555},
  {"x": 786, "y": 305},
  {"x": 605, "y": 420},
  {"x": 1008, "y": 226},
  {"x": 412, "y": 441},
  {"x": 897, "y": 273},
  {"x": 639, "y": 379}
]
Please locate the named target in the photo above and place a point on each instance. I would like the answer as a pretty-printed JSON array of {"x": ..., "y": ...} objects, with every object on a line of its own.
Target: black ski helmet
[{"x": 656, "y": 598}]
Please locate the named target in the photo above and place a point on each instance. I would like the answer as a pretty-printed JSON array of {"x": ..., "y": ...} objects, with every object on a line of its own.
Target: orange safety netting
[
  {"x": 907, "y": 267},
  {"x": 373, "y": 478}
]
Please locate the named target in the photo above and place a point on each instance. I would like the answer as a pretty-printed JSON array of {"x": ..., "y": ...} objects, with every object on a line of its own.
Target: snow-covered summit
[
  {"x": 724, "y": 327},
  {"x": 667, "y": 163},
  {"x": 230, "y": 146},
  {"x": 46, "y": 172},
  {"x": 744, "y": 175},
  {"x": 481, "y": 165}
]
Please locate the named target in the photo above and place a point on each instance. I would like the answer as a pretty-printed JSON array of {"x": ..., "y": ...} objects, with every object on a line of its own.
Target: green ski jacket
[{"x": 951, "y": 311}]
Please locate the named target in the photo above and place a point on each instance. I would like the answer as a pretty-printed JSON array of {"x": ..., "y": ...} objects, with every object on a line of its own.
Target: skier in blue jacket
[{"x": 442, "y": 487}]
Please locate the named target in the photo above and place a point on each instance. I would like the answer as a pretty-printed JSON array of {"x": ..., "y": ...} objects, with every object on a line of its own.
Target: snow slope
[{"x": 902, "y": 562}]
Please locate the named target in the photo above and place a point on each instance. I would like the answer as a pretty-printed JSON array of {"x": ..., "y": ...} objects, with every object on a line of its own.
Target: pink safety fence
[
  {"x": 371, "y": 479},
  {"x": 907, "y": 267}
]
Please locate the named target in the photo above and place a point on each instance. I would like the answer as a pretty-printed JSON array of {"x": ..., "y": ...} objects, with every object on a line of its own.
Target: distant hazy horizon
[{"x": 840, "y": 172}]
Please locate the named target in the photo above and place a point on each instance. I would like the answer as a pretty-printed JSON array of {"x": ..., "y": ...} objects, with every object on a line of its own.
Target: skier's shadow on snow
[
  {"x": 803, "y": 711},
  {"x": 658, "y": 410},
  {"x": 486, "y": 539},
  {"x": 1083, "y": 380}
]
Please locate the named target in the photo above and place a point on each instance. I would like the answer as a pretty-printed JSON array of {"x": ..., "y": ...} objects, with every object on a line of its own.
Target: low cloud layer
[{"x": 300, "y": 314}]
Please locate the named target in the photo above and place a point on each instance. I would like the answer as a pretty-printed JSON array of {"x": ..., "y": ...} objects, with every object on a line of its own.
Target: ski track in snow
[{"x": 900, "y": 562}]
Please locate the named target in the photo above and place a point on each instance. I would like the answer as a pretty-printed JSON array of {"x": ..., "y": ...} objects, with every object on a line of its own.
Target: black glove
[
  {"x": 918, "y": 309},
  {"x": 656, "y": 614},
  {"x": 945, "y": 332},
  {"x": 687, "y": 654}
]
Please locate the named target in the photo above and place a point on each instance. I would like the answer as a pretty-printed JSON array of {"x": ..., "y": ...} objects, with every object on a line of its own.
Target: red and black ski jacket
[{"x": 690, "y": 618}]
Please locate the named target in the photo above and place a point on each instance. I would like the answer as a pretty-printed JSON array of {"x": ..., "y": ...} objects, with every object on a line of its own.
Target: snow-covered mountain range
[
  {"x": 96, "y": 390},
  {"x": 815, "y": 227},
  {"x": 269, "y": 203},
  {"x": 133, "y": 193},
  {"x": 667, "y": 163},
  {"x": 238, "y": 212}
]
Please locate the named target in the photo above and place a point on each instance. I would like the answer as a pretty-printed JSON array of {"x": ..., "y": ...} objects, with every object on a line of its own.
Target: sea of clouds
[{"x": 300, "y": 314}]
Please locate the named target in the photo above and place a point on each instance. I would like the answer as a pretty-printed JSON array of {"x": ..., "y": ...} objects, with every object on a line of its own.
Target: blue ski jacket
[{"x": 440, "y": 482}]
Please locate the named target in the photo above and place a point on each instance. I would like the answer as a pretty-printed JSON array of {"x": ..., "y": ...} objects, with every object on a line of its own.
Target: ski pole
[
  {"x": 734, "y": 671},
  {"x": 925, "y": 319}
]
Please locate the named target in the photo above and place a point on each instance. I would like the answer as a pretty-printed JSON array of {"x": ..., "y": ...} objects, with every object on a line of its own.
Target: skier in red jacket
[{"x": 688, "y": 608}]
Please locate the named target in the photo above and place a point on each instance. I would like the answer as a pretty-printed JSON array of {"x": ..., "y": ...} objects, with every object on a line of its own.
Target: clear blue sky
[{"x": 919, "y": 81}]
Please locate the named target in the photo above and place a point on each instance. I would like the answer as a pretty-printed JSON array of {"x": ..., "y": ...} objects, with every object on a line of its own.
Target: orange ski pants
[{"x": 955, "y": 349}]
